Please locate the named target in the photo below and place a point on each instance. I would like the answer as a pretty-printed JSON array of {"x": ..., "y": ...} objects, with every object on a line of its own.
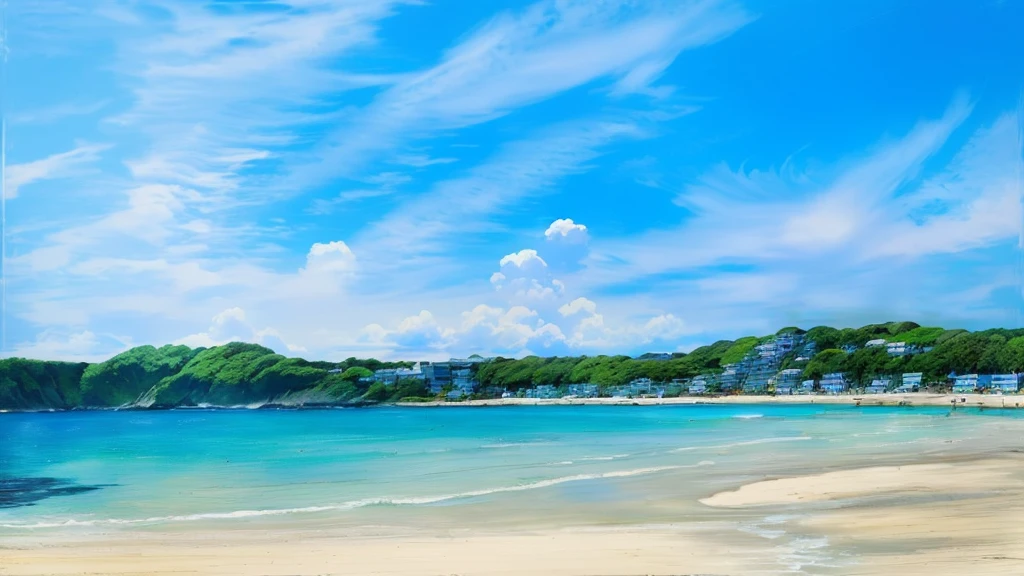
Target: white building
[
  {"x": 897, "y": 348},
  {"x": 874, "y": 343}
]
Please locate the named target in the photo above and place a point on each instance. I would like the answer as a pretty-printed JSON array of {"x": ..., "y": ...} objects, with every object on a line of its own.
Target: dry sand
[
  {"x": 557, "y": 552},
  {"x": 930, "y": 519},
  {"x": 915, "y": 399}
]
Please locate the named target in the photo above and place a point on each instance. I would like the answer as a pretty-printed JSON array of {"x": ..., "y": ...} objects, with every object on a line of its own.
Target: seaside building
[
  {"x": 806, "y": 387},
  {"x": 543, "y": 391},
  {"x": 834, "y": 383},
  {"x": 583, "y": 390},
  {"x": 787, "y": 381},
  {"x": 1005, "y": 383},
  {"x": 874, "y": 343},
  {"x": 457, "y": 373},
  {"x": 879, "y": 386},
  {"x": 390, "y": 376},
  {"x": 911, "y": 382},
  {"x": 897, "y": 349},
  {"x": 965, "y": 383},
  {"x": 808, "y": 351},
  {"x": 733, "y": 375},
  {"x": 699, "y": 385}
]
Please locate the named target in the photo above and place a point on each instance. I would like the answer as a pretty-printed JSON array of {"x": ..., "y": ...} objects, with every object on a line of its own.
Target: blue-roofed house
[
  {"x": 787, "y": 381},
  {"x": 1005, "y": 383},
  {"x": 834, "y": 383},
  {"x": 543, "y": 391},
  {"x": 911, "y": 382},
  {"x": 583, "y": 390},
  {"x": 965, "y": 383},
  {"x": 878, "y": 386}
]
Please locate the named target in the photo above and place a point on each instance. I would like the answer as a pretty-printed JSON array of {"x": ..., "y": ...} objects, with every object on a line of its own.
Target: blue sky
[{"x": 413, "y": 179}]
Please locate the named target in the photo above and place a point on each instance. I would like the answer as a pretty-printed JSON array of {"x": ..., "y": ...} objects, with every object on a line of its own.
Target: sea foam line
[
  {"x": 745, "y": 443},
  {"x": 351, "y": 505}
]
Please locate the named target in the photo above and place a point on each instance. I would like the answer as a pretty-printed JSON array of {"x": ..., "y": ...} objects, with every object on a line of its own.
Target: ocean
[{"x": 447, "y": 468}]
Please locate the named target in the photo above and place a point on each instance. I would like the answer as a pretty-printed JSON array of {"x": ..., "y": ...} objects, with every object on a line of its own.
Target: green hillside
[{"x": 246, "y": 374}]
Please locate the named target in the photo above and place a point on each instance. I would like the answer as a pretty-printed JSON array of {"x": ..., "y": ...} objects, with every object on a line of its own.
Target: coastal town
[{"x": 761, "y": 372}]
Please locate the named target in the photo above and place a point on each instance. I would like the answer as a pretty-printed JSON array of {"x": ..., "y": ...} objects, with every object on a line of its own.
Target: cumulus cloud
[
  {"x": 83, "y": 346},
  {"x": 231, "y": 325},
  {"x": 566, "y": 244},
  {"x": 566, "y": 230},
  {"x": 578, "y": 305},
  {"x": 330, "y": 258},
  {"x": 519, "y": 330},
  {"x": 525, "y": 276}
]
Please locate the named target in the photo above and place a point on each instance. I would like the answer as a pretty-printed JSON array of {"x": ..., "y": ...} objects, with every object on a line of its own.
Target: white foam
[
  {"x": 748, "y": 416},
  {"x": 351, "y": 505},
  {"x": 744, "y": 443},
  {"x": 514, "y": 444},
  {"x": 613, "y": 457}
]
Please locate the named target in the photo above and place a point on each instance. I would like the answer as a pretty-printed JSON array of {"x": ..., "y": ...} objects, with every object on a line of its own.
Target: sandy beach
[
  {"x": 928, "y": 519},
  {"x": 260, "y": 552},
  {"x": 953, "y": 517},
  {"x": 596, "y": 492},
  {"x": 914, "y": 399}
]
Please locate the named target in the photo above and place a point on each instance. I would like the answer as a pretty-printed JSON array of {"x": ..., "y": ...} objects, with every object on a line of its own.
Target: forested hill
[
  {"x": 248, "y": 374},
  {"x": 229, "y": 375}
]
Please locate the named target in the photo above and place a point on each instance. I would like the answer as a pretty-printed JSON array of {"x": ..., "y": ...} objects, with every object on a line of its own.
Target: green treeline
[
  {"x": 960, "y": 351},
  {"x": 244, "y": 374},
  {"x": 229, "y": 375}
]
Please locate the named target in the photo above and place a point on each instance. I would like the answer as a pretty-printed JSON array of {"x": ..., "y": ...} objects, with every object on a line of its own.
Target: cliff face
[{"x": 37, "y": 385}]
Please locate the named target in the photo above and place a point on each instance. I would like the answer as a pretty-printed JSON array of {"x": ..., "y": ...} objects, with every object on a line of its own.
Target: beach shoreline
[
  {"x": 881, "y": 520},
  {"x": 914, "y": 399}
]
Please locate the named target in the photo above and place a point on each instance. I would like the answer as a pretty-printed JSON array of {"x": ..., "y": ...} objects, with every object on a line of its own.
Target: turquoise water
[{"x": 404, "y": 466}]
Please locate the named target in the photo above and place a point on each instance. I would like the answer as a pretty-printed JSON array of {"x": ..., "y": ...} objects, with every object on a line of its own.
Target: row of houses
[
  {"x": 1003, "y": 383},
  {"x": 456, "y": 375}
]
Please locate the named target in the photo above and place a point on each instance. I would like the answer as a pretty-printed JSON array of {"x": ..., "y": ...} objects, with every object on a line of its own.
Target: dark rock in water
[{"x": 16, "y": 492}]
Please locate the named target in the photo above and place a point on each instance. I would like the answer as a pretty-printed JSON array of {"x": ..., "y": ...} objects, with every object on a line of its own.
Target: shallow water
[{"x": 447, "y": 467}]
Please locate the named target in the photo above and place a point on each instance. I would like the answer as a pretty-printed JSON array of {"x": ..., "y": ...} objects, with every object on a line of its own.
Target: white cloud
[
  {"x": 231, "y": 325},
  {"x": 525, "y": 261},
  {"x": 766, "y": 216},
  {"x": 83, "y": 346},
  {"x": 467, "y": 204},
  {"x": 52, "y": 114},
  {"x": 520, "y": 58},
  {"x": 578, "y": 305},
  {"x": 330, "y": 258},
  {"x": 567, "y": 230},
  {"x": 567, "y": 244},
  {"x": 524, "y": 275},
  {"x": 62, "y": 165}
]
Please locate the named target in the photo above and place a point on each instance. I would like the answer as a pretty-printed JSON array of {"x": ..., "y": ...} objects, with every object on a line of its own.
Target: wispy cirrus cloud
[
  {"x": 520, "y": 58},
  {"x": 55, "y": 166}
]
